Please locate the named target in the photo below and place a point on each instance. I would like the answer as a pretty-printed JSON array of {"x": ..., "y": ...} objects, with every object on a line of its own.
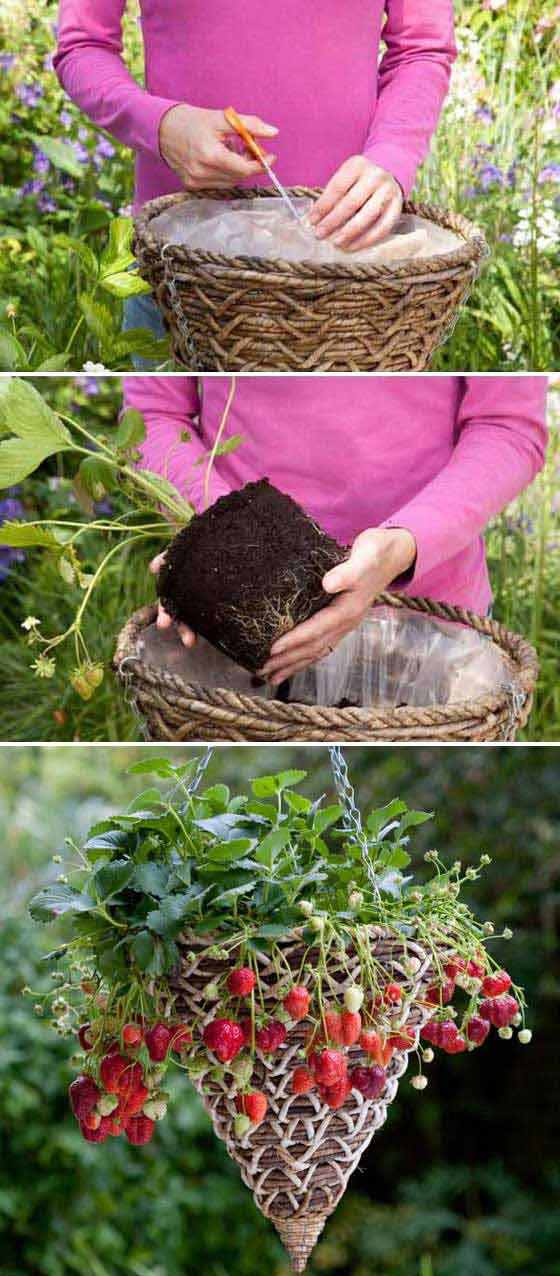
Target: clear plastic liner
[
  {"x": 203, "y": 663},
  {"x": 404, "y": 658},
  {"x": 265, "y": 228}
]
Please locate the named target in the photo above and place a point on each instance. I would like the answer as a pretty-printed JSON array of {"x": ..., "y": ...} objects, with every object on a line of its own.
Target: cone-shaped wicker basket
[
  {"x": 298, "y": 1161},
  {"x": 245, "y": 314},
  {"x": 173, "y": 709}
]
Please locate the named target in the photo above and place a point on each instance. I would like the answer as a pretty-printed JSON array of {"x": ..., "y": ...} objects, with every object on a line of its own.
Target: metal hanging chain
[
  {"x": 351, "y": 818},
  {"x": 202, "y": 766}
]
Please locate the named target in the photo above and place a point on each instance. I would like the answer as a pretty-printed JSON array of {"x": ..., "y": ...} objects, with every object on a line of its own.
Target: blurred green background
[{"x": 462, "y": 1181}]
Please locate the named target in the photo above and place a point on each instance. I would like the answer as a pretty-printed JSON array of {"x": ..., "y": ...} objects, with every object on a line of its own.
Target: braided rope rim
[
  {"x": 298, "y": 1161},
  {"x": 235, "y": 715},
  {"x": 470, "y": 253}
]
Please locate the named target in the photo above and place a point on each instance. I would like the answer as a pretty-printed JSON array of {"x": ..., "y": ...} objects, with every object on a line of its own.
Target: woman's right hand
[
  {"x": 164, "y": 620},
  {"x": 193, "y": 142}
]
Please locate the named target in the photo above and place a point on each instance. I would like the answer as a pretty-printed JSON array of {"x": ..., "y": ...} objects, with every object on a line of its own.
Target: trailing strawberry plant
[{"x": 234, "y": 877}]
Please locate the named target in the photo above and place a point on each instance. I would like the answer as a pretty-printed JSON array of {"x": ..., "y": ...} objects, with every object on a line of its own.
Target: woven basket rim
[
  {"x": 520, "y": 651},
  {"x": 472, "y": 251}
]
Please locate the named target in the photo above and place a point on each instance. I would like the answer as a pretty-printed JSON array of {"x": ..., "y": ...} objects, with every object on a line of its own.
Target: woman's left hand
[
  {"x": 378, "y": 556},
  {"x": 358, "y": 207}
]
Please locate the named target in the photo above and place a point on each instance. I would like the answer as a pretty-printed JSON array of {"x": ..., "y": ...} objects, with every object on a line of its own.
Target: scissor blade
[{"x": 283, "y": 192}]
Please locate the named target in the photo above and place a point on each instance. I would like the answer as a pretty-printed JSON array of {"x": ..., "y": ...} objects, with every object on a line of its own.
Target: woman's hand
[
  {"x": 358, "y": 207},
  {"x": 378, "y": 556},
  {"x": 164, "y": 621},
  {"x": 194, "y": 143}
]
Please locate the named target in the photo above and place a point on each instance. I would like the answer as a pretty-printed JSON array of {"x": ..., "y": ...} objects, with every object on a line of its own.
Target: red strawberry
[
  {"x": 99, "y": 1135},
  {"x": 271, "y": 1037},
  {"x": 369, "y": 1081},
  {"x": 454, "y": 966},
  {"x": 392, "y": 993},
  {"x": 241, "y": 981},
  {"x": 456, "y": 1046},
  {"x": 83, "y": 1096},
  {"x": 158, "y": 1040},
  {"x": 333, "y": 1025},
  {"x": 477, "y": 1030},
  {"x": 297, "y": 1002},
  {"x": 475, "y": 969},
  {"x": 225, "y": 1038},
  {"x": 448, "y": 1033},
  {"x": 351, "y": 1027},
  {"x": 111, "y": 1071},
  {"x": 132, "y": 1103},
  {"x": 245, "y": 1025},
  {"x": 499, "y": 1010},
  {"x": 254, "y": 1105},
  {"x": 132, "y": 1035},
  {"x": 116, "y": 1127},
  {"x": 131, "y": 1079},
  {"x": 370, "y": 1041},
  {"x": 402, "y": 1041},
  {"x": 494, "y": 985},
  {"x": 84, "y": 1037},
  {"x": 182, "y": 1037},
  {"x": 431, "y": 1032},
  {"x": 329, "y": 1067},
  {"x": 441, "y": 994},
  {"x": 336, "y": 1095},
  {"x": 140, "y": 1130},
  {"x": 302, "y": 1080}
]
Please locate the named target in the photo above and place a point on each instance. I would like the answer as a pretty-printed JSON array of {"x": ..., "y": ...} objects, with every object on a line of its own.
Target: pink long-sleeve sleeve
[
  {"x": 413, "y": 81},
  {"x": 501, "y": 438},
  {"x": 170, "y": 407},
  {"x": 90, "y": 67}
]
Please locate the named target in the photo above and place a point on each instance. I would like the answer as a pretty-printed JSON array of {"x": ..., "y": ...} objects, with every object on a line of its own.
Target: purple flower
[
  {"x": 30, "y": 94},
  {"x": 41, "y": 162},
  {"x": 490, "y": 175},
  {"x": 65, "y": 118},
  {"x": 484, "y": 113},
  {"x": 10, "y": 508},
  {"x": 46, "y": 204},
  {"x": 82, "y": 155},
  {"x": 83, "y": 134},
  {"x": 550, "y": 173},
  {"x": 48, "y": 62},
  {"x": 90, "y": 386},
  {"x": 7, "y": 61},
  {"x": 32, "y": 188},
  {"x": 105, "y": 148}
]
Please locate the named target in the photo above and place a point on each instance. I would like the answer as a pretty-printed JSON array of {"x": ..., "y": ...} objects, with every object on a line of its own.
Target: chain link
[
  {"x": 351, "y": 818},
  {"x": 202, "y": 767}
]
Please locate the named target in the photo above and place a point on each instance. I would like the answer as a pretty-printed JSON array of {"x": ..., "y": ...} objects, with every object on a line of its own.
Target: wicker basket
[
  {"x": 251, "y": 314},
  {"x": 176, "y": 710},
  {"x": 298, "y": 1161}
]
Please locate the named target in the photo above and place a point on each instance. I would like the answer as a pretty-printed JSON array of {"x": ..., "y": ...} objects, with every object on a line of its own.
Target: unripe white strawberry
[
  {"x": 419, "y": 1082},
  {"x": 241, "y": 1125},
  {"x": 355, "y": 899},
  {"x": 517, "y": 1021},
  {"x": 155, "y": 1109},
  {"x": 306, "y": 907},
  {"x": 525, "y": 1036},
  {"x": 413, "y": 965},
  {"x": 107, "y": 1104},
  {"x": 428, "y": 1055},
  {"x": 505, "y": 1033},
  {"x": 317, "y": 924},
  {"x": 211, "y": 991},
  {"x": 353, "y": 999}
]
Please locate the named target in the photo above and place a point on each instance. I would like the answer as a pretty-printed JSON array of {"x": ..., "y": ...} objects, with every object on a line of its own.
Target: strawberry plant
[{"x": 180, "y": 917}]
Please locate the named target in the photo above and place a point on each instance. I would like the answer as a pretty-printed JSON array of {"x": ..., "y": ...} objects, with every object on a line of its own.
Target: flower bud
[{"x": 355, "y": 899}]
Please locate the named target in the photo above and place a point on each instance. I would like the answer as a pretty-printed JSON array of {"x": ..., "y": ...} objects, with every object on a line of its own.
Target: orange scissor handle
[{"x": 234, "y": 121}]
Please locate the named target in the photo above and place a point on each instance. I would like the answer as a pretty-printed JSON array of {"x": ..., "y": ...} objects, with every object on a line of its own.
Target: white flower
[
  {"x": 93, "y": 369},
  {"x": 30, "y": 622}
]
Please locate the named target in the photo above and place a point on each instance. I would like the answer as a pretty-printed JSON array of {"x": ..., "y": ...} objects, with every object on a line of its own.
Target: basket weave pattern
[
  {"x": 179, "y": 711},
  {"x": 298, "y": 1161},
  {"x": 245, "y": 314}
]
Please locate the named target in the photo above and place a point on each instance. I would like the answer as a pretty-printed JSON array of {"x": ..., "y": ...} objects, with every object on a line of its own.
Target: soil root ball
[{"x": 248, "y": 570}]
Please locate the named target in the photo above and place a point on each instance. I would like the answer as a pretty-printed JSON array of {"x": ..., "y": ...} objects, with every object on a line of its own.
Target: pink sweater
[
  {"x": 309, "y": 68},
  {"x": 439, "y": 455}
]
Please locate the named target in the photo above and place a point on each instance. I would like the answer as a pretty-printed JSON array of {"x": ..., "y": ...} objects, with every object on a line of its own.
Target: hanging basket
[
  {"x": 246, "y": 314},
  {"x": 298, "y": 1161},
  {"x": 175, "y": 710}
]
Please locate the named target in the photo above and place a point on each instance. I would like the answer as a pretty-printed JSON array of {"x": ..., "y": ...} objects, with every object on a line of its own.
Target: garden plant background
[
  {"x": 523, "y": 548},
  {"x": 464, "y": 1178},
  {"x": 62, "y": 182}
]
